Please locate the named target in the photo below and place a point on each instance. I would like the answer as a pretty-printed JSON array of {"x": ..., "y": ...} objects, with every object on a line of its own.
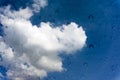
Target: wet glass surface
[{"x": 100, "y": 58}]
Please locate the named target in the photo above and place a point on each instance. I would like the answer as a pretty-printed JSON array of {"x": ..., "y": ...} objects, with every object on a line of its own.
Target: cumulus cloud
[{"x": 29, "y": 51}]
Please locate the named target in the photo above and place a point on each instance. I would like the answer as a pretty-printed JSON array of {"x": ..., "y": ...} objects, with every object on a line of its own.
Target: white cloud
[
  {"x": 21, "y": 14},
  {"x": 33, "y": 51},
  {"x": 38, "y": 4}
]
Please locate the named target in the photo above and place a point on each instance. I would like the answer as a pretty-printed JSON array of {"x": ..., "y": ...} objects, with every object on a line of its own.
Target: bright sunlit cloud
[{"x": 30, "y": 51}]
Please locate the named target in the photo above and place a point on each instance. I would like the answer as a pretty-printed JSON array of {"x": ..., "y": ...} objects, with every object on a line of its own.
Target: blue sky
[{"x": 99, "y": 59}]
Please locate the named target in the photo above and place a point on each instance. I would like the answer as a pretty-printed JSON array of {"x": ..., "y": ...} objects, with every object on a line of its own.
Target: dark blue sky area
[{"x": 100, "y": 59}]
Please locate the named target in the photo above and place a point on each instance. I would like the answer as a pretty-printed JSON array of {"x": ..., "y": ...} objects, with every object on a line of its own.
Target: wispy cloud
[{"x": 38, "y": 4}]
